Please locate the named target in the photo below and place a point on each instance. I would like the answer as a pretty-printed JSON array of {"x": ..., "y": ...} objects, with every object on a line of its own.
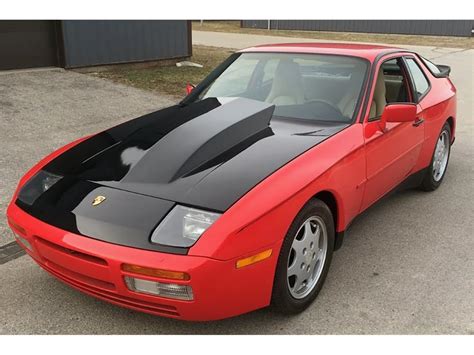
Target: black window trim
[{"x": 415, "y": 92}]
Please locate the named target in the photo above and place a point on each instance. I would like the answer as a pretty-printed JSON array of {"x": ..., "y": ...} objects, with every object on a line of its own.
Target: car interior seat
[
  {"x": 348, "y": 101},
  {"x": 287, "y": 87},
  {"x": 379, "y": 100}
]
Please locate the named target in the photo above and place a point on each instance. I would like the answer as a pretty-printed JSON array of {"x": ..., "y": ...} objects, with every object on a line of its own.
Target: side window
[
  {"x": 391, "y": 86},
  {"x": 420, "y": 82},
  {"x": 396, "y": 84}
]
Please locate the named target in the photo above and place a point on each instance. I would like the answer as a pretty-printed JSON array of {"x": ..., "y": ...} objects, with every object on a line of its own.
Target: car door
[{"x": 392, "y": 153}]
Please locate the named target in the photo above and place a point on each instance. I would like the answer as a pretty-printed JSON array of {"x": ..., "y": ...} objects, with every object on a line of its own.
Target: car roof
[{"x": 367, "y": 51}]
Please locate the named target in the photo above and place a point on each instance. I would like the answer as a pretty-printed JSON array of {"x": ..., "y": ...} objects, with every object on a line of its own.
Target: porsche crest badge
[{"x": 98, "y": 200}]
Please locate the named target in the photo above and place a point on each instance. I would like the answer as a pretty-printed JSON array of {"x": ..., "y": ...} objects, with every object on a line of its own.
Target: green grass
[
  {"x": 435, "y": 41},
  {"x": 169, "y": 79}
]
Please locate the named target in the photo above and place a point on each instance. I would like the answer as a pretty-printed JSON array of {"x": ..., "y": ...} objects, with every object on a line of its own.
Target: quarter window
[
  {"x": 431, "y": 66},
  {"x": 420, "y": 82}
]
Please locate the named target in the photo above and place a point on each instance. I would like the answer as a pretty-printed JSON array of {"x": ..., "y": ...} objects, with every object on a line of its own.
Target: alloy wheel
[
  {"x": 307, "y": 256},
  {"x": 441, "y": 154}
]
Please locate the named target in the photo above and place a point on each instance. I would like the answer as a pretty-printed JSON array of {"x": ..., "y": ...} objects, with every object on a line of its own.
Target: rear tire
[
  {"x": 304, "y": 258},
  {"x": 439, "y": 162}
]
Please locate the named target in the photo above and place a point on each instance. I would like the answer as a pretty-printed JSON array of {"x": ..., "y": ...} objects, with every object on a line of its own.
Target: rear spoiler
[
  {"x": 438, "y": 71},
  {"x": 445, "y": 70}
]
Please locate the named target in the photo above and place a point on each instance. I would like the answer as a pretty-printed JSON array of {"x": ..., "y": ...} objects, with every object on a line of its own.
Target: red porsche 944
[{"x": 236, "y": 198}]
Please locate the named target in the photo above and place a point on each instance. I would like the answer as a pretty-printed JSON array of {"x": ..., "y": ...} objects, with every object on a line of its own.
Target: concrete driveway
[{"x": 406, "y": 266}]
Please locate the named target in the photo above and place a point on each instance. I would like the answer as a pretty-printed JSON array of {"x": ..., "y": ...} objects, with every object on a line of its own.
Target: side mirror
[
  {"x": 189, "y": 88},
  {"x": 398, "y": 112}
]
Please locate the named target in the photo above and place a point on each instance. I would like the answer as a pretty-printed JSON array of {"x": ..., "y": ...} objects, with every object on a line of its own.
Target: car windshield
[{"x": 303, "y": 86}]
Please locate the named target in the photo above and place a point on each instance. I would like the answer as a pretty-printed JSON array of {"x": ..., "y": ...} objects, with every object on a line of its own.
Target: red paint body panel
[
  {"x": 402, "y": 149},
  {"x": 438, "y": 105},
  {"x": 367, "y": 51},
  {"x": 357, "y": 166},
  {"x": 220, "y": 290},
  {"x": 268, "y": 209}
]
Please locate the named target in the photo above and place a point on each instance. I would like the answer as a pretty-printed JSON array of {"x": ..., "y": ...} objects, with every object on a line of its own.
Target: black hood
[{"x": 206, "y": 154}]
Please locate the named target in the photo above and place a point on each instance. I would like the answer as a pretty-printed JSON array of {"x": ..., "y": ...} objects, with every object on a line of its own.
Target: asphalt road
[{"x": 406, "y": 266}]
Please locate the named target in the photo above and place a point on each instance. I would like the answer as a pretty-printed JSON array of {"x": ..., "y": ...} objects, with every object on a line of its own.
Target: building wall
[
  {"x": 28, "y": 44},
  {"x": 413, "y": 27},
  {"x": 92, "y": 42}
]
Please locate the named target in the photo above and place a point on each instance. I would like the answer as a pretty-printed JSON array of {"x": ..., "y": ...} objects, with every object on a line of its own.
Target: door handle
[{"x": 418, "y": 122}]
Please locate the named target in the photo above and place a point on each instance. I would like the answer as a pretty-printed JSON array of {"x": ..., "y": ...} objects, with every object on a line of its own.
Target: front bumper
[{"x": 95, "y": 267}]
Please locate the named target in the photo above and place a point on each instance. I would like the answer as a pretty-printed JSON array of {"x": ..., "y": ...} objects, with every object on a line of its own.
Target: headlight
[
  {"x": 183, "y": 226},
  {"x": 37, "y": 185}
]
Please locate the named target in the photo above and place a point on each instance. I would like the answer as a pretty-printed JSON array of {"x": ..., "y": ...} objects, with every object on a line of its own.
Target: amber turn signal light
[
  {"x": 148, "y": 271},
  {"x": 254, "y": 259}
]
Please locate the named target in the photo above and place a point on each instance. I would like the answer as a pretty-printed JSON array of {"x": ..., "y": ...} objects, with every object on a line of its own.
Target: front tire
[
  {"x": 439, "y": 162},
  {"x": 304, "y": 258}
]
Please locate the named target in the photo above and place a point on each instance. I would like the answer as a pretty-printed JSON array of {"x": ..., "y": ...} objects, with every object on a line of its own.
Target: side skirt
[{"x": 412, "y": 181}]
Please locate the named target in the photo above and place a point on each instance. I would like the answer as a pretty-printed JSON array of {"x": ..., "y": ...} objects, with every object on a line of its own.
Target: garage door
[{"x": 27, "y": 44}]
